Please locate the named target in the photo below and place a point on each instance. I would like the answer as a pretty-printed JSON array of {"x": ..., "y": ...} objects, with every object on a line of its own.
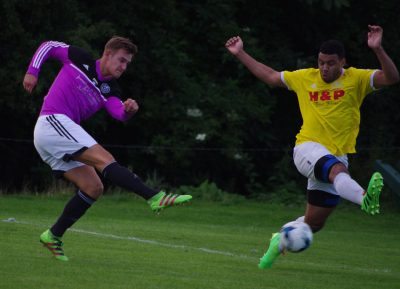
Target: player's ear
[
  {"x": 108, "y": 52},
  {"x": 343, "y": 61}
]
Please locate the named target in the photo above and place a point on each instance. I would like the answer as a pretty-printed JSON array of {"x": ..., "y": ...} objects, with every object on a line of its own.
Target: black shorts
[{"x": 322, "y": 199}]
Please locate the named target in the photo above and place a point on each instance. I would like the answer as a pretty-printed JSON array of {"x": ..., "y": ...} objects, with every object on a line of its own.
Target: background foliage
[{"x": 203, "y": 117}]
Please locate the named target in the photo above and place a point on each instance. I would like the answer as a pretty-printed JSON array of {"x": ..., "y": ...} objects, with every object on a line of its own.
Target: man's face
[
  {"x": 117, "y": 62},
  {"x": 330, "y": 66}
]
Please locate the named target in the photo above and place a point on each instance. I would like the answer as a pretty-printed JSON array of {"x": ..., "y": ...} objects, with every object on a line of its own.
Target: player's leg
[
  {"x": 99, "y": 158},
  {"x": 305, "y": 157},
  {"x": 56, "y": 138},
  {"x": 60, "y": 141},
  {"x": 315, "y": 162},
  {"x": 105, "y": 163},
  {"x": 90, "y": 188},
  {"x": 348, "y": 188},
  {"x": 320, "y": 205},
  {"x": 316, "y": 216}
]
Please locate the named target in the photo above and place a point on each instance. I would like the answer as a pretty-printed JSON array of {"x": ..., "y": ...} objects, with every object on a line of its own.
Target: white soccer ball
[{"x": 296, "y": 236}]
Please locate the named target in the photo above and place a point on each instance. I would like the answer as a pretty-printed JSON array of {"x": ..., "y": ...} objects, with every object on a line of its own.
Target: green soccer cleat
[
  {"x": 163, "y": 200},
  {"x": 272, "y": 253},
  {"x": 370, "y": 202},
  {"x": 54, "y": 244}
]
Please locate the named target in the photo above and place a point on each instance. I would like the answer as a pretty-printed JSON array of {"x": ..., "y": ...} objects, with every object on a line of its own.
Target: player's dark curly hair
[{"x": 332, "y": 47}]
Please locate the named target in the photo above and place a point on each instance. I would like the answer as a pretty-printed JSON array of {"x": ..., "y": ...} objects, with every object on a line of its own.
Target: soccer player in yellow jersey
[{"x": 329, "y": 98}]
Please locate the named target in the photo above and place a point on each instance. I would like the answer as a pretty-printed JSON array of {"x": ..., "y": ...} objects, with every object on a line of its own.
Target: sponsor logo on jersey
[{"x": 326, "y": 95}]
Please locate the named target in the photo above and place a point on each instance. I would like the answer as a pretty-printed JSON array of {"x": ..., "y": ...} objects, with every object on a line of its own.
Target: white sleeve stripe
[
  {"x": 38, "y": 59},
  {"x": 371, "y": 80},
  {"x": 284, "y": 82},
  {"x": 43, "y": 51}
]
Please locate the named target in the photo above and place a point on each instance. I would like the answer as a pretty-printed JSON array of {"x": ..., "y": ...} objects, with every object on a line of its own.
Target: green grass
[{"x": 120, "y": 243}]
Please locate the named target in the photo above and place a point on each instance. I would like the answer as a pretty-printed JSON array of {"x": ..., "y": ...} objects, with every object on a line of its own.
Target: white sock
[
  {"x": 300, "y": 219},
  {"x": 348, "y": 188}
]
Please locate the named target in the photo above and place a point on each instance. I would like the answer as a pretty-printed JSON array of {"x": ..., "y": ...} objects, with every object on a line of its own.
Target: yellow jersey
[{"x": 330, "y": 111}]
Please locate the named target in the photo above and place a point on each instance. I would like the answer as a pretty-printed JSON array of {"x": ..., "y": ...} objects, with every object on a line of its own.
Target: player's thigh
[
  {"x": 86, "y": 179},
  {"x": 95, "y": 156},
  {"x": 314, "y": 161},
  {"x": 57, "y": 137}
]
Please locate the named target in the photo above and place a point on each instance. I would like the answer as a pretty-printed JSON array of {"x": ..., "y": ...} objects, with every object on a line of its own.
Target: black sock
[
  {"x": 124, "y": 178},
  {"x": 73, "y": 210}
]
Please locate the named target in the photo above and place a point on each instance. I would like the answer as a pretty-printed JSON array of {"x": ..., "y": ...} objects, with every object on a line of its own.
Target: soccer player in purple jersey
[{"x": 82, "y": 87}]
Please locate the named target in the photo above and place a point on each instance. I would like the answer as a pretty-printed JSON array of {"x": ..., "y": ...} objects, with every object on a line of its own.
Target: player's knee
[
  {"x": 324, "y": 166},
  {"x": 93, "y": 189}
]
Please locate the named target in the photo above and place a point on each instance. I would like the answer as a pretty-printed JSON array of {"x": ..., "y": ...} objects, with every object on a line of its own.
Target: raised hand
[
  {"x": 234, "y": 45},
  {"x": 375, "y": 36}
]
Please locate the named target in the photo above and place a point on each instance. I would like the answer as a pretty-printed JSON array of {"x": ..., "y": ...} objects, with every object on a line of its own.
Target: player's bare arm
[
  {"x": 260, "y": 70},
  {"x": 29, "y": 82},
  {"x": 388, "y": 74}
]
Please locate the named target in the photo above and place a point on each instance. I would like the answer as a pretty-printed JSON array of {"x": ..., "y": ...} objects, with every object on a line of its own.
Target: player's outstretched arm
[
  {"x": 261, "y": 71},
  {"x": 388, "y": 74}
]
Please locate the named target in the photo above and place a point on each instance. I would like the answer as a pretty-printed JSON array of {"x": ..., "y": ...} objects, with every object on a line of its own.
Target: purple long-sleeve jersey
[{"x": 79, "y": 90}]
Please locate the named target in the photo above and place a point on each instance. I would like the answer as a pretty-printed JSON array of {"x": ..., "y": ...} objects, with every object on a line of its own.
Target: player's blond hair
[{"x": 118, "y": 42}]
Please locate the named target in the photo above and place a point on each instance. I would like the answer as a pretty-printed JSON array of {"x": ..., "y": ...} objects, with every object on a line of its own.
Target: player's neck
[{"x": 102, "y": 69}]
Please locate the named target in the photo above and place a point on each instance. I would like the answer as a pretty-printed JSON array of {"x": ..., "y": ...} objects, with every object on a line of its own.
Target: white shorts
[
  {"x": 305, "y": 156},
  {"x": 57, "y": 138}
]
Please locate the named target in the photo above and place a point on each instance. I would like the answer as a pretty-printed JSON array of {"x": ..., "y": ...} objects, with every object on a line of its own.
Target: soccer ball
[{"x": 296, "y": 236}]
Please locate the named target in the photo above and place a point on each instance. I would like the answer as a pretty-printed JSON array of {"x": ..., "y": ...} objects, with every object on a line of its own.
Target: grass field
[{"x": 119, "y": 243}]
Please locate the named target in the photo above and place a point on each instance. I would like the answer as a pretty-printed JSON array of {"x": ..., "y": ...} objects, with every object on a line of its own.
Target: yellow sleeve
[
  {"x": 365, "y": 81},
  {"x": 292, "y": 79}
]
